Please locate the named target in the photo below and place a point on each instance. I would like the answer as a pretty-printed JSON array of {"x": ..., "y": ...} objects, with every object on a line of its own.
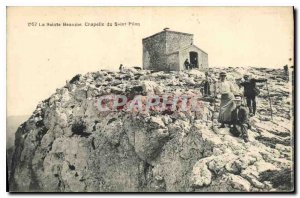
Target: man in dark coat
[
  {"x": 121, "y": 68},
  {"x": 187, "y": 64},
  {"x": 206, "y": 85},
  {"x": 250, "y": 92},
  {"x": 286, "y": 72},
  {"x": 239, "y": 119}
]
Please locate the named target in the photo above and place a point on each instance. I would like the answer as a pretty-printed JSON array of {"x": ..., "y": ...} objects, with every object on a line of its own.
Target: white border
[
  {"x": 150, "y": 3},
  {"x": 5, "y": 3}
]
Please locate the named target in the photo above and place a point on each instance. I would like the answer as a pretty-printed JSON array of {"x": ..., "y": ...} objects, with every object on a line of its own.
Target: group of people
[
  {"x": 232, "y": 112},
  {"x": 188, "y": 65}
]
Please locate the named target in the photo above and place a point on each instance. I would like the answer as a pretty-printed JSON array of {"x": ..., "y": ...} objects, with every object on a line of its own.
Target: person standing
[
  {"x": 187, "y": 64},
  {"x": 286, "y": 72},
  {"x": 226, "y": 89},
  {"x": 239, "y": 119},
  {"x": 206, "y": 85},
  {"x": 250, "y": 92},
  {"x": 121, "y": 68}
]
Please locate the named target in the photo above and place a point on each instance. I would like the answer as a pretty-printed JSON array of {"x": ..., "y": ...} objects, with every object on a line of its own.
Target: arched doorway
[{"x": 194, "y": 59}]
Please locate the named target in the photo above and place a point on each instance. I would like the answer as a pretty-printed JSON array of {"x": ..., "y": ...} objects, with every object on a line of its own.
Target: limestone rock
[
  {"x": 201, "y": 175},
  {"x": 239, "y": 183},
  {"x": 68, "y": 145}
]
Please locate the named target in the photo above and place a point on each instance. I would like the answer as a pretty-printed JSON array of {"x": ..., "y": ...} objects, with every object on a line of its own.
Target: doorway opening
[{"x": 194, "y": 60}]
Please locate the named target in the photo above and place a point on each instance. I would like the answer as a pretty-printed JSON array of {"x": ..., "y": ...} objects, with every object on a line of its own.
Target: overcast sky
[{"x": 40, "y": 59}]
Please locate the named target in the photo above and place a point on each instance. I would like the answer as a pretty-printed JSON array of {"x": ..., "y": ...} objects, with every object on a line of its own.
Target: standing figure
[
  {"x": 239, "y": 119},
  {"x": 187, "y": 64},
  {"x": 121, "y": 68},
  {"x": 227, "y": 90},
  {"x": 286, "y": 72},
  {"x": 206, "y": 85},
  {"x": 250, "y": 92}
]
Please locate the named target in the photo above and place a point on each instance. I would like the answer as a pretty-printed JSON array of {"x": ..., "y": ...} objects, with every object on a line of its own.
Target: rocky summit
[{"x": 68, "y": 145}]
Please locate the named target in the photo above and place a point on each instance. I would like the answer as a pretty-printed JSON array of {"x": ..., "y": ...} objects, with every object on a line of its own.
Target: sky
[{"x": 41, "y": 58}]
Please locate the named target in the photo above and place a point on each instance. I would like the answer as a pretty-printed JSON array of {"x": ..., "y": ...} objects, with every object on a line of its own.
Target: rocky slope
[
  {"x": 67, "y": 145},
  {"x": 12, "y": 124}
]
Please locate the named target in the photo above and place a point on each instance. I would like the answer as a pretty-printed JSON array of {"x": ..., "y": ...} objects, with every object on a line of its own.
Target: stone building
[{"x": 168, "y": 50}]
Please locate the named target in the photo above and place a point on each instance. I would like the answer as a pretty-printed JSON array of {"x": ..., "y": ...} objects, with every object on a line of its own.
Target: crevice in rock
[
  {"x": 93, "y": 143},
  {"x": 71, "y": 167}
]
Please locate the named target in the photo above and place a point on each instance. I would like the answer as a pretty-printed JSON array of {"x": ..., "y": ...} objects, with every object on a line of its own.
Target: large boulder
[{"x": 68, "y": 145}]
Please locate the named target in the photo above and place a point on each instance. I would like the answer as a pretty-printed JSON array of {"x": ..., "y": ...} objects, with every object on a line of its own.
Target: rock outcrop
[{"x": 68, "y": 145}]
